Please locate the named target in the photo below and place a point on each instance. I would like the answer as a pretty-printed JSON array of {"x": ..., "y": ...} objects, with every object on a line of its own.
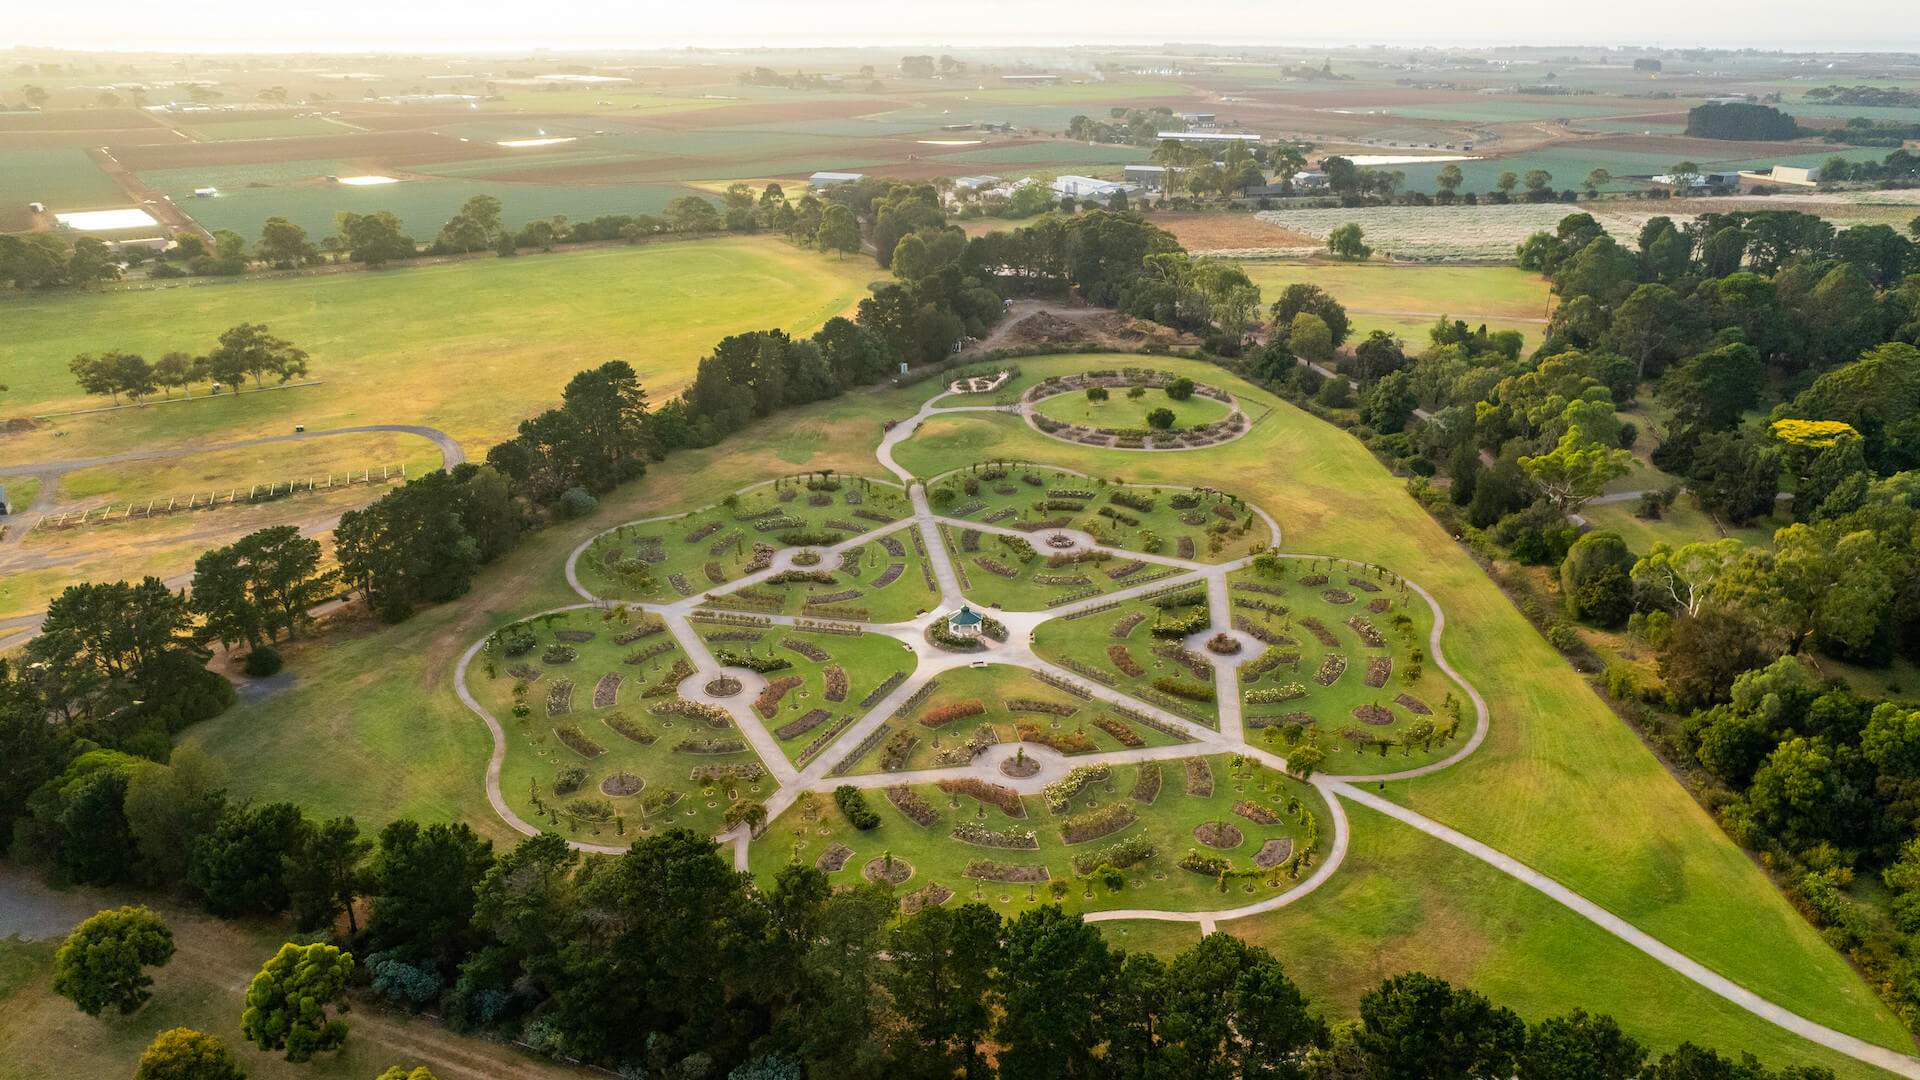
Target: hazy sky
[{"x": 516, "y": 25}]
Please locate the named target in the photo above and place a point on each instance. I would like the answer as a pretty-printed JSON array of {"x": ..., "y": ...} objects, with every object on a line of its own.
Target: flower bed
[
  {"x": 701, "y": 533},
  {"x": 1332, "y": 666},
  {"x": 723, "y": 686},
  {"x": 1219, "y": 835},
  {"x": 1223, "y": 644},
  {"x": 931, "y": 895},
  {"x": 1049, "y": 708},
  {"x": 1094, "y": 824},
  {"x": 1066, "y": 742},
  {"x": 762, "y": 557},
  {"x": 1413, "y": 705},
  {"x": 606, "y": 692},
  {"x": 840, "y": 597},
  {"x": 1376, "y": 715},
  {"x": 834, "y": 859},
  {"x": 569, "y": 780},
  {"x": 807, "y": 649},
  {"x": 893, "y": 756},
  {"x": 1271, "y": 658},
  {"x": 628, "y": 729},
  {"x": 812, "y": 719},
  {"x": 908, "y": 802},
  {"x": 644, "y": 626},
  {"x": 560, "y": 654},
  {"x": 560, "y": 698},
  {"x": 1199, "y": 778},
  {"x": 1369, "y": 633},
  {"x": 1256, "y": 813},
  {"x": 577, "y": 740},
  {"x": 680, "y": 584},
  {"x": 1120, "y": 658},
  {"x": 888, "y": 869},
  {"x": 963, "y": 754},
  {"x": 1379, "y": 670},
  {"x": 574, "y": 637},
  {"x": 1363, "y": 585},
  {"x": 973, "y": 832},
  {"x": 1146, "y": 783},
  {"x": 996, "y": 567},
  {"x": 525, "y": 673},
  {"x": 1380, "y": 606},
  {"x": 1005, "y": 799},
  {"x": 1273, "y": 853},
  {"x": 946, "y": 714},
  {"x": 1258, "y": 630},
  {"x": 709, "y": 746},
  {"x": 1292, "y": 719},
  {"x": 641, "y": 656},
  {"x": 1196, "y": 665},
  {"x": 1126, "y": 570},
  {"x": 1124, "y": 627},
  {"x": 1250, "y": 604},
  {"x": 1185, "y": 689},
  {"x": 1011, "y": 873},
  {"x": 1212, "y": 866},
  {"x": 1273, "y": 695},
  {"x": 894, "y": 547},
  {"x": 1171, "y": 625},
  {"x": 768, "y": 701},
  {"x": 815, "y": 577},
  {"x": 1059, "y": 793},
  {"x": 622, "y": 785},
  {"x": 1337, "y": 596},
  {"x": 711, "y": 715},
  {"x": 890, "y": 575},
  {"x": 721, "y": 546},
  {"x": 836, "y": 679},
  {"x": 682, "y": 668},
  {"x": 1125, "y": 735},
  {"x": 887, "y": 686},
  {"x": 658, "y": 800}
]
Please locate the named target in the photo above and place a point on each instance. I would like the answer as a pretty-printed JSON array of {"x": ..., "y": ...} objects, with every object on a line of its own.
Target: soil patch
[
  {"x": 1218, "y": 834},
  {"x": 834, "y": 858},
  {"x": 1377, "y": 715},
  {"x": 892, "y": 871},
  {"x": 1273, "y": 853},
  {"x": 622, "y": 784}
]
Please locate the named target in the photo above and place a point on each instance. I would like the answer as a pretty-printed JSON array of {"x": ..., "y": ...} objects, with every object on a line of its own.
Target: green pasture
[
  {"x": 279, "y": 127},
  {"x": 1474, "y": 294},
  {"x": 422, "y": 205},
  {"x": 470, "y": 347}
]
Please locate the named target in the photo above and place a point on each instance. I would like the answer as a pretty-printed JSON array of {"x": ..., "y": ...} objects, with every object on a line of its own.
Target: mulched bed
[
  {"x": 701, "y": 533},
  {"x": 560, "y": 698},
  {"x": 622, "y": 784},
  {"x": 908, "y": 801},
  {"x": 1273, "y": 853},
  {"x": 1337, "y": 596},
  {"x": 724, "y": 686},
  {"x": 1379, "y": 670},
  {"x": 1256, "y": 813},
  {"x": 886, "y": 687},
  {"x": 1186, "y": 547},
  {"x": 1219, "y": 835},
  {"x": 1125, "y": 735},
  {"x": 836, "y": 677},
  {"x": 1380, "y": 606},
  {"x": 1369, "y": 633},
  {"x": 1314, "y": 580},
  {"x": 931, "y": 895},
  {"x": 1020, "y": 768},
  {"x": 525, "y": 673},
  {"x": 1005, "y": 799},
  {"x": 807, "y": 649},
  {"x": 1125, "y": 626},
  {"x": 1363, "y": 585},
  {"x": 986, "y": 870},
  {"x": 577, "y": 741},
  {"x": 813, "y": 719},
  {"x": 1319, "y": 630},
  {"x": 890, "y": 575},
  {"x": 1413, "y": 705},
  {"x": 767, "y": 702},
  {"x": 834, "y": 858},
  {"x": 573, "y": 637},
  {"x": 1223, "y": 644},
  {"x": 1124, "y": 661},
  {"x": 1126, "y": 570},
  {"x": 629, "y": 729},
  {"x": 894, "y": 547},
  {"x": 1377, "y": 715},
  {"x": 709, "y": 746},
  {"x": 1199, "y": 777},
  {"x": 1049, "y": 708},
  {"x": 680, "y": 584},
  {"x": 879, "y": 870},
  {"x": 1255, "y": 720},
  {"x": 607, "y": 691},
  {"x": 996, "y": 567},
  {"x": 1332, "y": 666},
  {"x": 1146, "y": 784}
]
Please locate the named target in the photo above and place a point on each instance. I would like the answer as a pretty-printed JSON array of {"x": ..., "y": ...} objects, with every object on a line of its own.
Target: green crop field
[
  {"x": 64, "y": 178},
  {"x": 279, "y": 127}
]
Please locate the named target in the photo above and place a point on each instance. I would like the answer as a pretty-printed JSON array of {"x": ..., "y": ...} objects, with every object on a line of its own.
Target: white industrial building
[
  {"x": 1088, "y": 189},
  {"x": 1210, "y": 136},
  {"x": 829, "y": 179}
]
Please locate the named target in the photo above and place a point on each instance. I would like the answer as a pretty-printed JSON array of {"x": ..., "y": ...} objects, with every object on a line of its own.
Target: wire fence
[{"x": 213, "y": 500}]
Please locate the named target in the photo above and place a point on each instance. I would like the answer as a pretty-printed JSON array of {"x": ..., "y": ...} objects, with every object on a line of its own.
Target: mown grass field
[
  {"x": 1560, "y": 783},
  {"x": 1406, "y": 300},
  {"x": 470, "y": 347}
]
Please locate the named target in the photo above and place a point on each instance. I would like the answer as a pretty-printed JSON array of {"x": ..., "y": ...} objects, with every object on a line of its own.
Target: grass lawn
[
  {"x": 1405, "y": 902},
  {"x": 21, "y": 491},
  {"x": 1121, "y": 411},
  {"x": 470, "y": 347},
  {"x": 1560, "y": 782},
  {"x": 1681, "y": 523},
  {"x": 244, "y": 467}
]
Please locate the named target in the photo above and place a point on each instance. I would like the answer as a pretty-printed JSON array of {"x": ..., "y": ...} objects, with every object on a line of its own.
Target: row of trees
[
  {"x": 242, "y": 352},
  {"x": 665, "y": 961}
]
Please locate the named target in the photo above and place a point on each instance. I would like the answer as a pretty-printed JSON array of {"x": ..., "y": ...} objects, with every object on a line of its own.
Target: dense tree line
[
  {"x": 246, "y": 351},
  {"x": 666, "y": 962},
  {"x": 1740, "y": 120}
]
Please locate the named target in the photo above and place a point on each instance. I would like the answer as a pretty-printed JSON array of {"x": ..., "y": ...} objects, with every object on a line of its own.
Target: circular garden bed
[
  {"x": 1131, "y": 410},
  {"x": 1223, "y": 644},
  {"x": 891, "y": 870},
  {"x": 622, "y": 784},
  {"x": 722, "y": 686},
  {"x": 1218, "y": 834},
  {"x": 1020, "y": 767}
]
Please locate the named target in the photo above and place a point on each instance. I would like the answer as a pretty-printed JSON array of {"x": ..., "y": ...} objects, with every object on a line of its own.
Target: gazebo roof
[{"x": 964, "y": 617}]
